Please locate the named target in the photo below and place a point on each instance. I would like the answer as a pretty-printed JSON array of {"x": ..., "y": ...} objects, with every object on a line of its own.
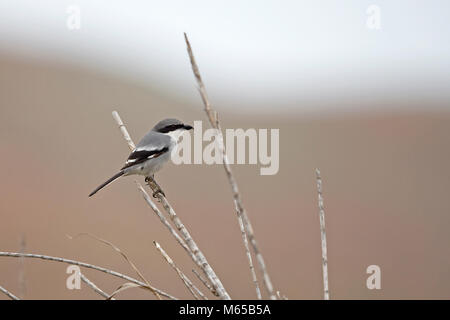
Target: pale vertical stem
[
  {"x": 249, "y": 257},
  {"x": 323, "y": 236},
  {"x": 241, "y": 213}
]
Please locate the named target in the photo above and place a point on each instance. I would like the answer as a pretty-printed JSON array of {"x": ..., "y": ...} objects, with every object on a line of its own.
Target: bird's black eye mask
[{"x": 174, "y": 127}]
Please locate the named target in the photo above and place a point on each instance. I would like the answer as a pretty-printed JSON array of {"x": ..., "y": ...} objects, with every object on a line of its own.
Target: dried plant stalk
[
  {"x": 164, "y": 220},
  {"x": 249, "y": 258},
  {"x": 85, "y": 265},
  {"x": 240, "y": 211},
  {"x": 123, "y": 287},
  {"x": 127, "y": 259},
  {"x": 205, "y": 282},
  {"x": 9, "y": 294},
  {"x": 199, "y": 259},
  {"x": 188, "y": 283},
  {"x": 323, "y": 236},
  {"x": 123, "y": 130},
  {"x": 93, "y": 286}
]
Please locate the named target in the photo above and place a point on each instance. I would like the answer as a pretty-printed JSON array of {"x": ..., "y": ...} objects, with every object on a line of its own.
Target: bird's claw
[{"x": 158, "y": 192}]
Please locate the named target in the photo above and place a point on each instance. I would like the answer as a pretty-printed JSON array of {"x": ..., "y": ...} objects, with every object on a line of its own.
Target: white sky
[{"x": 268, "y": 53}]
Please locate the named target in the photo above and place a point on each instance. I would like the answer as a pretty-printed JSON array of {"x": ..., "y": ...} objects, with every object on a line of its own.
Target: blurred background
[{"x": 359, "y": 89}]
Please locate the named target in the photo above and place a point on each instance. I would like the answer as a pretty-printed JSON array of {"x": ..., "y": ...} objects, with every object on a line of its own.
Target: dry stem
[
  {"x": 9, "y": 294},
  {"x": 205, "y": 282},
  {"x": 86, "y": 265},
  {"x": 188, "y": 283},
  {"x": 241, "y": 213},
  {"x": 93, "y": 286},
  {"x": 323, "y": 236}
]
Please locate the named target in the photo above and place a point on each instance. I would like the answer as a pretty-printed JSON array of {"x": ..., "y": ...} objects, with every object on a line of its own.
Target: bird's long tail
[{"x": 104, "y": 184}]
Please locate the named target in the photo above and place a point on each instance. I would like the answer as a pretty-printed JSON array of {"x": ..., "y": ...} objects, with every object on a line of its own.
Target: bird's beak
[{"x": 188, "y": 127}]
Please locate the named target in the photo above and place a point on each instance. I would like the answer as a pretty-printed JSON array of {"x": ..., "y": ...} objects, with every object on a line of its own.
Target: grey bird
[{"x": 152, "y": 151}]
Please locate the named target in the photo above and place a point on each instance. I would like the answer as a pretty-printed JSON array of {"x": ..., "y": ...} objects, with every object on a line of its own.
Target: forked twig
[
  {"x": 188, "y": 283},
  {"x": 85, "y": 265},
  {"x": 204, "y": 281},
  {"x": 323, "y": 236},
  {"x": 93, "y": 286},
  {"x": 240, "y": 211},
  {"x": 128, "y": 260}
]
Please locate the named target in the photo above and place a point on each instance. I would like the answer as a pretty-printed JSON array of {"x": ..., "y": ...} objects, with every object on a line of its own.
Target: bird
[{"x": 151, "y": 153}]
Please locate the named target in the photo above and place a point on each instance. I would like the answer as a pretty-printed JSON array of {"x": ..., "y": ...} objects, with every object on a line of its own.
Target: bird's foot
[
  {"x": 155, "y": 187},
  {"x": 158, "y": 192}
]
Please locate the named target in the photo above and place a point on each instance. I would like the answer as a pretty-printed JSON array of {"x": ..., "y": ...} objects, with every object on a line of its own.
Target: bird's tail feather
[{"x": 104, "y": 184}]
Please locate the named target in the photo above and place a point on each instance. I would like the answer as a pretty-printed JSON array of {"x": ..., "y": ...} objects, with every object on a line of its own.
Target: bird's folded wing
[{"x": 141, "y": 155}]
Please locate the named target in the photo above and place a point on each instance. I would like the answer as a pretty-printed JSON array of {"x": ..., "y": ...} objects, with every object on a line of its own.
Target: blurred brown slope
[{"x": 386, "y": 180}]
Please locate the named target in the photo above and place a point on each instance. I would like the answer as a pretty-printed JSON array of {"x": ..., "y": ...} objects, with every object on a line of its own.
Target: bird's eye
[{"x": 171, "y": 128}]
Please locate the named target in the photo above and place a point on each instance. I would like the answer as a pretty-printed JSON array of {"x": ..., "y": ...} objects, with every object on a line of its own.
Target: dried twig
[
  {"x": 249, "y": 257},
  {"x": 240, "y": 211},
  {"x": 205, "y": 282},
  {"x": 281, "y": 297},
  {"x": 199, "y": 259},
  {"x": 128, "y": 260},
  {"x": 9, "y": 294},
  {"x": 323, "y": 236},
  {"x": 85, "y": 265},
  {"x": 188, "y": 283},
  {"x": 123, "y": 287},
  {"x": 123, "y": 129},
  {"x": 164, "y": 220},
  {"x": 93, "y": 286}
]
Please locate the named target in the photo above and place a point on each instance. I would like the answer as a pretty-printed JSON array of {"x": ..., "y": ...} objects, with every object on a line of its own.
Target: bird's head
[{"x": 172, "y": 127}]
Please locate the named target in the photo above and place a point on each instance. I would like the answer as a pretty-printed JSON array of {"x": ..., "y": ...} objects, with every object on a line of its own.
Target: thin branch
[
  {"x": 123, "y": 287},
  {"x": 249, "y": 258},
  {"x": 9, "y": 294},
  {"x": 205, "y": 282},
  {"x": 163, "y": 219},
  {"x": 188, "y": 283},
  {"x": 128, "y": 260},
  {"x": 281, "y": 297},
  {"x": 323, "y": 236},
  {"x": 93, "y": 286},
  {"x": 124, "y": 131},
  {"x": 86, "y": 265},
  {"x": 199, "y": 259},
  {"x": 240, "y": 211}
]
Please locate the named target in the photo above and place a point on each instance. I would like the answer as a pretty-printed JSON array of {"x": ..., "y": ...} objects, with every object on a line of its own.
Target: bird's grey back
[{"x": 154, "y": 139}]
